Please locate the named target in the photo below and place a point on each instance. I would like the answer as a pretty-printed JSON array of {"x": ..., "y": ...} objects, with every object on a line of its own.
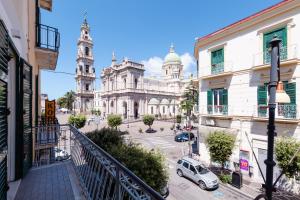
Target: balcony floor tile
[{"x": 53, "y": 182}]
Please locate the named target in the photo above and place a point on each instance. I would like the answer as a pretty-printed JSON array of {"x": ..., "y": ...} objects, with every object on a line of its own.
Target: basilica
[
  {"x": 126, "y": 91},
  {"x": 124, "y": 88}
]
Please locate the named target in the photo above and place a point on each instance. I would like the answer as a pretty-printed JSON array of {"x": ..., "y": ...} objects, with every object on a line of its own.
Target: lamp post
[{"x": 276, "y": 95}]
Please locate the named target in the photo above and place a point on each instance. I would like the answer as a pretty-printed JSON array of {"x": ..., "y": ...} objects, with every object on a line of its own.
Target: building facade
[
  {"x": 234, "y": 71},
  {"x": 126, "y": 91},
  {"x": 85, "y": 71},
  {"x": 25, "y": 50}
]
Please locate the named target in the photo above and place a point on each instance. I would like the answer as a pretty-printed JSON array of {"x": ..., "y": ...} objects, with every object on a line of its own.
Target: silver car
[{"x": 198, "y": 173}]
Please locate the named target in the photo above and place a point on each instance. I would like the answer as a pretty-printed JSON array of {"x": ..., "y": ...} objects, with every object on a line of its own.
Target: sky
[{"x": 141, "y": 30}]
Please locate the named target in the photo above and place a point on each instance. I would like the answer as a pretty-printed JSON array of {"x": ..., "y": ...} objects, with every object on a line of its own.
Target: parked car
[
  {"x": 165, "y": 191},
  {"x": 197, "y": 172},
  {"x": 60, "y": 154},
  {"x": 184, "y": 136}
]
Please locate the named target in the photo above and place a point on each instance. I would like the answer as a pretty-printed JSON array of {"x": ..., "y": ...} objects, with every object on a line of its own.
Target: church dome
[{"x": 172, "y": 56}]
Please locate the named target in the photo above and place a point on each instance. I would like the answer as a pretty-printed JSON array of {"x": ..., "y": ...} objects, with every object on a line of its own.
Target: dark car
[{"x": 184, "y": 136}]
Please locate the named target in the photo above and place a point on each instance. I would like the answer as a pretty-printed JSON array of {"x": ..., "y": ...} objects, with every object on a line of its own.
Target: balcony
[
  {"x": 285, "y": 113},
  {"x": 288, "y": 56},
  {"x": 47, "y": 46},
  {"x": 216, "y": 70},
  {"x": 76, "y": 168},
  {"x": 215, "y": 111}
]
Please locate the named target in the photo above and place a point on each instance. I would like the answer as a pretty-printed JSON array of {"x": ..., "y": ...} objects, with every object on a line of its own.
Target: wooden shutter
[
  {"x": 225, "y": 101},
  {"x": 4, "y": 56},
  {"x": 217, "y": 59},
  {"x": 209, "y": 101},
  {"x": 262, "y": 100},
  {"x": 290, "y": 89},
  {"x": 281, "y": 34}
]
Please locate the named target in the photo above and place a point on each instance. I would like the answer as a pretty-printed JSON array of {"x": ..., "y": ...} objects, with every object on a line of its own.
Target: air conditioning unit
[{"x": 210, "y": 122}]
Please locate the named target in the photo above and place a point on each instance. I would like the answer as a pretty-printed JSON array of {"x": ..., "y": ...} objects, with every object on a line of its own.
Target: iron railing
[
  {"x": 282, "y": 111},
  {"x": 47, "y": 37},
  {"x": 101, "y": 176},
  {"x": 217, "y": 109}
]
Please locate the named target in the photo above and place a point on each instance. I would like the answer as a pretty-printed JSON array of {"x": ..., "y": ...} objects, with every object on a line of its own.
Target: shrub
[
  {"x": 285, "y": 149},
  {"x": 148, "y": 120},
  {"x": 178, "y": 119},
  {"x": 156, "y": 116},
  {"x": 106, "y": 138},
  {"x": 140, "y": 130},
  {"x": 114, "y": 121},
  {"x": 77, "y": 120},
  {"x": 225, "y": 178},
  {"x": 147, "y": 165},
  {"x": 220, "y": 145},
  {"x": 161, "y": 129}
]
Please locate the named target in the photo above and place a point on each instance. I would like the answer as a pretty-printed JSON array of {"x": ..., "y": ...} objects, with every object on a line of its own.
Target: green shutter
[
  {"x": 217, "y": 61},
  {"x": 209, "y": 101},
  {"x": 290, "y": 89},
  {"x": 225, "y": 101},
  {"x": 289, "y": 110},
  {"x": 262, "y": 100},
  {"x": 281, "y": 34}
]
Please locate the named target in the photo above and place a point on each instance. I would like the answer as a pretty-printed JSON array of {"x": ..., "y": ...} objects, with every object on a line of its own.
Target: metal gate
[{"x": 3, "y": 109}]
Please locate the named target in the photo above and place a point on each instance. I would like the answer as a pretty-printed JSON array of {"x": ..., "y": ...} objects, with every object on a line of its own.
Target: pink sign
[{"x": 244, "y": 164}]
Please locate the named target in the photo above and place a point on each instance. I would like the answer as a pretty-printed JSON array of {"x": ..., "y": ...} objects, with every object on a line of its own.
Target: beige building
[
  {"x": 234, "y": 71},
  {"x": 126, "y": 91},
  {"x": 25, "y": 49}
]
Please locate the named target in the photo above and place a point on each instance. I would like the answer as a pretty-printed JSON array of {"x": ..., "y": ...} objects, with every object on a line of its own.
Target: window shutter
[
  {"x": 225, "y": 97},
  {"x": 209, "y": 101},
  {"x": 290, "y": 89},
  {"x": 262, "y": 100}
]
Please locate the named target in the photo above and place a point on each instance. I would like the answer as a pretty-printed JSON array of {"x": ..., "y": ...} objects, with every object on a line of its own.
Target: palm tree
[{"x": 69, "y": 99}]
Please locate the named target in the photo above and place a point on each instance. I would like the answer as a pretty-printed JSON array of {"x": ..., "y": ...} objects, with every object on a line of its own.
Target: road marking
[
  {"x": 158, "y": 142},
  {"x": 171, "y": 166}
]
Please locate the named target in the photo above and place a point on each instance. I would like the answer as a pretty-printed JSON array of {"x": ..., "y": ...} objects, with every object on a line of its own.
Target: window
[
  {"x": 163, "y": 109},
  {"x": 281, "y": 34},
  {"x": 151, "y": 109},
  {"x": 135, "y": 83},
  {"x": 186, "y": 165},
  {"x": 87, "y": 51},
  {"x": 173, "y": 109},
  {"x": 87, "y": 87},
  {"x": 124, "y": 80},
  {"x": 217, "y": 61},
  {"x": 87, "y": 69},
  {"x": 192, "y": 168},
  {"x": 217, "y": 101},
  {"x": 111, "y": 104},
  {"x": 166, "y": 72},
  {"x": 262, "y": 100},
  {"x": 86, "y": 32}
]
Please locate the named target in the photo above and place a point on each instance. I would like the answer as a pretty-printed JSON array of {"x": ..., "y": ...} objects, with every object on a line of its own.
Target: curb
[{"x": 231, "y": 188}]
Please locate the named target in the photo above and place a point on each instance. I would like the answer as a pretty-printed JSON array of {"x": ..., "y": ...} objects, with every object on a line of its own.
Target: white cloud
[
  {"x": 189, "y": 64},
  {"x": 154, "y": 64}
]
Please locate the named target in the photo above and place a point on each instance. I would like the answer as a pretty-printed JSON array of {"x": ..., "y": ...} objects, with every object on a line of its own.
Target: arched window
[
  {"x": 111, "y": 104},
  {"x": 87, "y": 87},
  {"x": 87, "y": 68},
  {"x": 135, "y": 83},
  {"x": 87, "y": 51},
  {"x": 163, "y": 110}
]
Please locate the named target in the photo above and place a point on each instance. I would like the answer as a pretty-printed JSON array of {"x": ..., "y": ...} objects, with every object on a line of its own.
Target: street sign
[{"x": 49, "y": 109}]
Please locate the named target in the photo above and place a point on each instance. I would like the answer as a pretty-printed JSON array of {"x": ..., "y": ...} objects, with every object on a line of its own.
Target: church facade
[
  {"x": 85, "y": 71},
  {"x": 126, "y": 91}
]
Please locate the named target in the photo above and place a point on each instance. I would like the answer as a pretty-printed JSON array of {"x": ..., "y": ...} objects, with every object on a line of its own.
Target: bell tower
[{"x": 85, "y": 71}]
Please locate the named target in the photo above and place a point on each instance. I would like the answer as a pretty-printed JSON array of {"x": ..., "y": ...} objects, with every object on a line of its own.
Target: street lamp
[{"x": 276, "y": 95}]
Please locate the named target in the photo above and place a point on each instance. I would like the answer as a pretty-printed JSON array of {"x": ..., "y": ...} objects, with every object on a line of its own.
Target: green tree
[
  {"x": 70, "y": 98},
  {"x": 147, "y": 165},
  {"x": 220, "y": 145},
  {"x": 61, "y": 101},
  {"x": 190, "y": 98},
  {"x": 114, "y": 121},
  {"x": 287, "y": 151},
  {"x": 148, "y": 120},
  {"x": 77, "y": 120}
]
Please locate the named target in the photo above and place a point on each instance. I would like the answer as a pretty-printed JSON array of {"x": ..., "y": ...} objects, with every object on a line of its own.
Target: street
[{"x": 180, "y": 188}]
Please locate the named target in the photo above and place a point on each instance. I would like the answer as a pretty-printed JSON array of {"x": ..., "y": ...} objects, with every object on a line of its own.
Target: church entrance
[{"x": 136, "y": 110}]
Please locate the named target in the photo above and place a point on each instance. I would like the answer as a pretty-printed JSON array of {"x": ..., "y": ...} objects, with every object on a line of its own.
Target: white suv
[{"x": 195, "y": 171}]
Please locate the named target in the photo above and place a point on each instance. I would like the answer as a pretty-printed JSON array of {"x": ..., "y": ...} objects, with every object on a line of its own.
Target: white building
[
  {"x": 97, "y": 100},
  {"x": 127, "y": 92},
  {"x": 234, "y": 69},
  {"x": 44, "y": 97},
  {"x": 85, "y": 71}
]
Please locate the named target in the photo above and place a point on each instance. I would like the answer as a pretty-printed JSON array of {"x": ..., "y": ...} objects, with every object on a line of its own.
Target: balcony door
[{"x": 217, "y": 101}]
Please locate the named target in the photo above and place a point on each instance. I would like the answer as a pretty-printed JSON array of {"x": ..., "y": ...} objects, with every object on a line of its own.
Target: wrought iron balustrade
[
  {"x": 286, "y": 111},
  {"x": 217, "y": 109},
  {"x": 101, "y": 176},
  {"x": 217, "y": 68},
  {"x": 47, "y": 37}
]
